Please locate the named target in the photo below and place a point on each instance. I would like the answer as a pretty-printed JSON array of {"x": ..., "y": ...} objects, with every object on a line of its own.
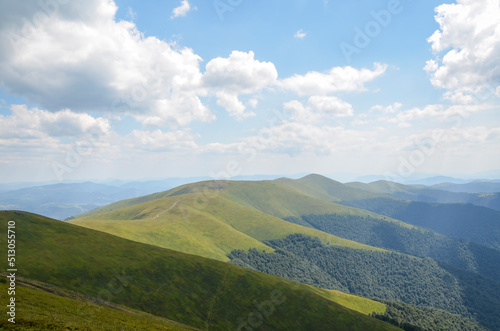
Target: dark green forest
[
  {"x": 416, "y": 318},
  {"x": 463, "y": 221},
  {"x": 414, "y": 241},
  {"x": 379, "y": 275}
]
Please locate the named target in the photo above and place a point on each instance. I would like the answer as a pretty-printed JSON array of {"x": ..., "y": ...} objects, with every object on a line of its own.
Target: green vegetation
[
  {"x": 414, "y": 241},
  {"x": 213, "y": 230},
  {"x": 413, "y": 318},
  {"x": 330, "y": 190},
  {"x": 360, "y": 304},
  {"x": 383, "y": 275},
  {"x": 188, "y": 289},
  {"x": 46, "y": 307},
  {"x": 464, "y": 221},
  {"x": 243, "y": 222}
]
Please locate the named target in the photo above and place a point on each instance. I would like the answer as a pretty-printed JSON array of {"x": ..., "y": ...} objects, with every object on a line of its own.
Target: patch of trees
[
  {"x": 414, "y": 241},
  {"x": 382, "y": 275},
  {"x": 413, "y": 318},
  {"x": 463, "y": 221}
]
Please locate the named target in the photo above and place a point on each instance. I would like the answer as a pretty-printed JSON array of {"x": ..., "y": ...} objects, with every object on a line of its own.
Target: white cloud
[
  {"x": 233, "y": 105},
  {"x": 334, "y": 80},
  {"x": 35, "y": 123},
  {"x": 180, "y": 109},
  {"x": 391, "y": 109},
  {"x": 300, "y": 34},
  {"x": 238, "y": 74},
  {"x": 470, "y": 37},
  {"x": 131, "y": 14},
  {"x": 253, "y": 103},
  {"x": 318, "y": 108},
  {"x": 82, "y": 59},
  {"x": 158, "y": 140},
  {"x": 438, "y": 111},
  {"x": 295, "y": 138},
  {"x": 331, "y": 106},
  {"x": 182, "y": 10},
  {"x": 463, "y": 140}
]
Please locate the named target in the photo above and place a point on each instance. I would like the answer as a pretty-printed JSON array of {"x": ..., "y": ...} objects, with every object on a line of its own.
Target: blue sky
[{"x": 154, "y": 89}]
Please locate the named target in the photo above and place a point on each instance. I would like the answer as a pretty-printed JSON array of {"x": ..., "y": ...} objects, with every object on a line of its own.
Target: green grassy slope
[
  {"x": 281, "y": 198},
  {"x": 46, "y": 307},
  {"x": 331, "y": 190},
  {"x": 360, "y": 304},
  {"x": 213, "y": 230},
  {"x": 185, "y": 288}
]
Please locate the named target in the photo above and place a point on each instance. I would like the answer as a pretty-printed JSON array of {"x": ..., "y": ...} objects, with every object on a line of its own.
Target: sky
[{"x": 132, "y": 89}]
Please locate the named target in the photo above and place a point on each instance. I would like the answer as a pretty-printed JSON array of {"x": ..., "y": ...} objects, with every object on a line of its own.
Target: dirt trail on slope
[{"x": 162, "y": 212}]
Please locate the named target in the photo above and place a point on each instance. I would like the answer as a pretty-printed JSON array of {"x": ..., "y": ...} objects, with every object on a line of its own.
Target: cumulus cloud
[
  {"x": 438, "y": 111},
  {"x": 179, "y": 109},
  {"x": 233, "y": 105},
  {"x": 240, "y": 73},
  {"x": 35, "y": 123},
  {"x": 391, "y": 109},
  {"x": 182, "y": 10},
  {"x": 336, "y": 79},
  {"x": 300, "y": 34},
  {"x": 77, "y": 56},
  {"x": 295, "y": 138},
  {"x": 469, "y": 36},
  {"x": 453, "y": 140},
  {"x": 331, "y": 106},
  {"x": 318, "y": 108},
  {"x": 158, "y": 140}
]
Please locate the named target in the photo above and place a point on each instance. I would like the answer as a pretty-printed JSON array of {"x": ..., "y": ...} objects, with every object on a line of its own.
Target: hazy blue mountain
[
  {"x": 64, "y": 200},
  {"x": 433, "y": 194},
  {"x": 437, "y": 180},
  {"x": 473, "y": 187},
  {"x": 463, "y": 221}
]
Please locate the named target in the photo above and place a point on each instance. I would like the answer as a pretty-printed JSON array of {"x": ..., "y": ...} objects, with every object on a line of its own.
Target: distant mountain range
[
  {"x": 217, "y": 254},
  {"x": 63, "y": 200},
  {"x": 216, "y": 219}
]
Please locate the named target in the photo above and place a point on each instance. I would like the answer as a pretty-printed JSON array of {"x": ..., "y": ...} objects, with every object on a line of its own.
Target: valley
[{"x": 311, "y": 235}]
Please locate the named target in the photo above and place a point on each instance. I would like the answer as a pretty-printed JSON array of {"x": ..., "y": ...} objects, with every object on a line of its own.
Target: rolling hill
[
  {"x": 463, "y": 221},
  {"x": 185, "y": 288},
  {"x": 383, "y": 275},
  {"x": 430, "y": 194},
  {"x": 216, "y": 218},
  {"x": 48, "y": 307},
  {"x": 228, "y": 215},
  {"x": 212, "y": 231}
]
